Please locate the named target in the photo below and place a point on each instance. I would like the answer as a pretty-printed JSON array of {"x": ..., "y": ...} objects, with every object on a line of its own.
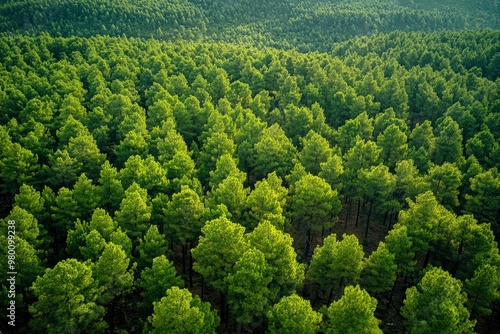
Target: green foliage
[
  {"x": 315, "y": 205},
  {"x": 157, "y": 279},
  {"x": 248, "y": 292},
  {"x": 269, "y": 139},
  {"x": 436, "y": 304},
  {"x": 112, "y": 272},
  {"x": 179, "y": 312},
  {"x": 66, "y": 300},
  {"x": 400, "y": 245},
  {"x": 379, "y": 270},
  {"x": 135, "y": 212},
  {"x": 152, "y": 245},
  {"x": 218, "y": 250},
  {"x": 264, "y": 204},
  {"x": 336, "y": 263},
  {"x": 183, "y": 216},
  {"x": 281, "y": 259},
  {"x": 274, "y": 153},
  {"x": 482, "y": 290},
  {"x": 353, "y": 313},
  {"x": 293, "y": 314}
]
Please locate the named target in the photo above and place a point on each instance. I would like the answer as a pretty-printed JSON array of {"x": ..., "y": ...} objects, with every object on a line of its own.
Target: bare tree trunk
[
  {"x": 357, "y": 215},
  {"x": 368, "y": 220},
  {"x": 202, "y": 286},
  {"x": 190, "y": 269},
  {"x": 184, "y": 249},
  {"x": 347, "y": 210}
]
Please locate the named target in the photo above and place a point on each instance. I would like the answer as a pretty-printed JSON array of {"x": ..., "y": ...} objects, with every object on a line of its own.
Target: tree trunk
[
  {"x": 238, "y": 328},
  {"x": 347, "y": 210},
  {"x": 184, "y": 249},
  {"x": 330, "y": 296},
  {"x": 427, "y": 258},
  {"x": 368, "y": 220},
  {"x": 202, "y": 286},
  {"x": 357, "y": 214},
  {"x": 190, "y": 270},
  {"x": 390, "y": 220},
  {"x": 222, "y": 308},
  {"x": 308, "y": 242},
  {"x": 457, "y": 263},
  {"x": 492, "y": 317}
]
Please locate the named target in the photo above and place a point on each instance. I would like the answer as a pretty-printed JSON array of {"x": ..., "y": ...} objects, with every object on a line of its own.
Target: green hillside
[{"x": 306, "y": 25}]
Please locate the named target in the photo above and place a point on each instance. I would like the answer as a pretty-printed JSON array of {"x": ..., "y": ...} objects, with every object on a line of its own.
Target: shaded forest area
[
  {"x": 121, "y": 155},
  {"x": 314, "y": 167}
]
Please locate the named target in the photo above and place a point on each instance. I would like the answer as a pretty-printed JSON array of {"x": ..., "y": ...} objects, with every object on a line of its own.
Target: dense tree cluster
[
  {"x": 183, "y": 187},
  {"x": 308, "y": 25}
]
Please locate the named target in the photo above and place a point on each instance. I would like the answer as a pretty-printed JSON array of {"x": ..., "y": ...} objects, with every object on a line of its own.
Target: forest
[{"x": 184, "y": 167}]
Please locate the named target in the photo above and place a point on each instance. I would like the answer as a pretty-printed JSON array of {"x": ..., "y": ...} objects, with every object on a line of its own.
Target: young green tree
[
  {"x": 216, "y": 145},
  {"x": 423, "y": 136},
  {"x": 248, "y": 292},
  {"x": 293, "y": 314},
  {"x": 336, "y": 264},
  {"x": 135, "y": 212},
  {"x": 18, "y": 166},
  {"x": 484, "y": 198},
  {"x": 436, "y": 305},
  {"x": 362, "y": 155},
  {"x": 482, "y": 290},
  {"x": 353, "y": 313},
  {"x": 152, "y": 245},
  {"x": 111, "y": 188},
  {"x": 448, "y": 142},
  {"x": 274, "y": 152},
  {"x": 178, "y": 313},
  {"x": 157, "y": 279},
  {"x": 445, "y": 181},
  {"x": 379, "y": 270},
  {"x": 66, "y": 300},
  {"x": 287, "y": 274},
  {"x": 409, "y": 183},
  {"x": 316, "y": 151},
  {"x": 147, "y": 173},
  {"x": 62, "y": 169},
  {"x": 232, "y": 193},
  {"x": 218, "y": 250},
  {"x": 314, "y": 207},
  {"x": 400, "y": 245},
  {"x": 428, "y": 225},
  {"x": 378, "y": 185},
  {"x": 184, "y": 216},
  {"x": 297, "y": 122},
  {"x": 264, "y": 203},
  {"x": 474, "y": 246},
  {"x": 112, "y": 273},
  {"x": 84, "y": 149},
  {"x": 226, "y": 165},
  {"x": 332, "y": 172},
  {"x": 394, "y": 145},
  {"x": 64, "y": 214},
  {"x": 30, "y": 200},
  {"x": 87, "y": 197}
]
